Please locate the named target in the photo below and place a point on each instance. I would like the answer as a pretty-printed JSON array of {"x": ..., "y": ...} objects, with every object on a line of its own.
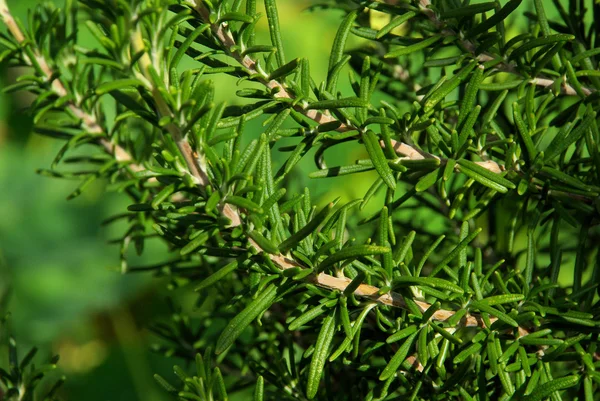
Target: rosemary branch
[
  {"x": 284, "y": 262},
  {"x": 504, "y": 66},
  {"x": 89, "y": 122},
  {"x": 196, "y": 167}
]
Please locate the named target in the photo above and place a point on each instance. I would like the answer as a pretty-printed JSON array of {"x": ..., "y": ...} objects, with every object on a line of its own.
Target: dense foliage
[{"x": 477, "y": 277}]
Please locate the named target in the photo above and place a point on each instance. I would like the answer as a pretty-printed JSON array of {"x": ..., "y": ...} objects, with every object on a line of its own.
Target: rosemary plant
[
  {"x": 20, "y": 379},
  {"x": 487, "y": 128}
]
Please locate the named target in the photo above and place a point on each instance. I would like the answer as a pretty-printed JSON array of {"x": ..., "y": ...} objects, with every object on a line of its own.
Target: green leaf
[
  {"x": 305, "y": 231},
  {"x": 562, "y": 141},
  {"x": 468, "y": 11},
  {"x": 285, "y": 69},
  {"x": 217, "y": 276},
  {"x": 455, "y": 252},
  {"x": 424, "y": 44},
  {"x": 162, "y": 196},
  {"x": 495, "y": 19},
  {"x": 484, "y": 176},
  {"x": 395, "y": 22},
  {"x": 398, "y": 358},
  {"x": 220, "y": 384},
  {"x": 531, "y": 44},
  {"x": 259, "y": 389},
  {"x": 428, "y": 281},
  {"x": 274, "y": 30},
  {"x": 352, "y": 252},
  {"x": 186, "y": 45},
  {"x": 311, "y": 314},
  {"x": 379, "y": 161},
  {"x": 165, "y": 384},
  {"x": 427, "y": 180},
  {"x": 467, "y": 352},
  {"x": 339, "y": 43},
  {"x": 338, "y": 103},
  {"x": 484, "y": 307},
  {"x": 243, "y": 203},
  {"x": 117, "y": 85},
  {"x": 399, "y": 335},
  {"x": 320, "y": 355},
  {"x": 444, "y": 90},
  {"x": 235, "y": 16},
  {"x": 264, "y": 244},
  {"x": 503, "y": 299},
  {"x": 195, "y": 243},
  {"x": 237, "y": 325},
  {"x": 470, "y": 97},
  {"x": 340, "y": 170},
  {"x": 524, "y": 133},
  {"x": 544, "y": 390},
  {"x": 354, "y": 284}
]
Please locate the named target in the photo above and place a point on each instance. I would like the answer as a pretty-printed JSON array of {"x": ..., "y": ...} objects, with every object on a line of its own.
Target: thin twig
[
  {"x": 413, "y": 153},
  {"x": 504, "y": 66},
  {"x": 195, "y": 168}
]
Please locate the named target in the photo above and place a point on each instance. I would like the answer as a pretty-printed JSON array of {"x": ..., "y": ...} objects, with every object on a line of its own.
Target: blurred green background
[{"x": 68, "y": 296}]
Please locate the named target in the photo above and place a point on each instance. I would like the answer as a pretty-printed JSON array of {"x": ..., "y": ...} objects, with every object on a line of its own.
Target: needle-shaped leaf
[
  {"x": 186, "y": 44},
  {"x": 352, "y": 252},
  {"x": 428, "y": 180},
  {"x": 394, "y": 23},
  {"x": 544, "y": 390},
  {"x": 444, "y": 90},
  {"x": 399, "y": 335},
  {"x": 339, "y": 43},
  {"x": 531, "y": 44},
  {"x": 454, "y": 253},
  {"x": 424, "y": 44},
  {"x": 467, "y": 352},
  {"x": 468, "y": 11},
  {"x": 524, "y": 133},
  {"x": 320, "y": 355},
  {"x": 503, "y": 299},
  {"x": 484, "y": 307},
  {"x": 275, "y": 30},
  {"x": 485, "y": 176},
  {"x": 305, "y": 231},
  {"x": 259, "y": 389},
  {"x": 340, "y": 170},
  {"x": 379, "y": 161},
  {"x": 311, "y": 314},
  {"x": 564, "y": 139},
  {"x": 118, "y": 84},
  {"x": 285, "y": 69},
  {"x": 495, "y": 19},
  {"x": 218, "y": 275},
  {"x": 243, "y": 203},
  {"x": 237, "y": 325},
  {"x": 429, "y": 281},
  {"x": 468, "y": 101},
  {"x": 338, "y": 103},
  {"x": 398, "y": 358}
]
